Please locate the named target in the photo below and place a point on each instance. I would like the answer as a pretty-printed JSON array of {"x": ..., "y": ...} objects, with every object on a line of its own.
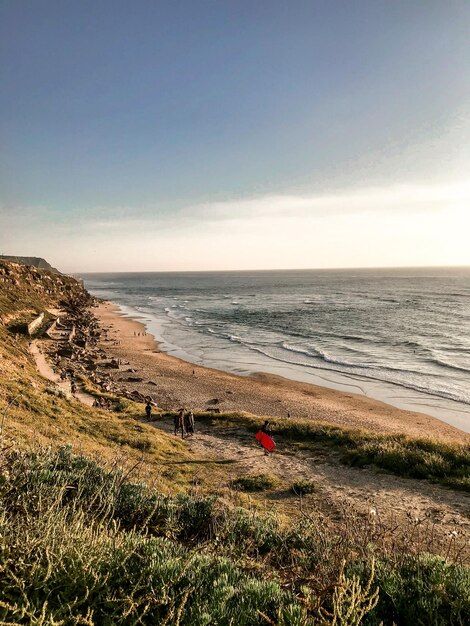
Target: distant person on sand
[
  {"x": 148, "y": 409},
  {"x": 189, "y": 423}
]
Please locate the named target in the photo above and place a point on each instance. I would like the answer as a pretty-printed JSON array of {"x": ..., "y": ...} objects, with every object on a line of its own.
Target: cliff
[
  {"x": 27, "y": 288},
  {"x": 33, "y": 261}
]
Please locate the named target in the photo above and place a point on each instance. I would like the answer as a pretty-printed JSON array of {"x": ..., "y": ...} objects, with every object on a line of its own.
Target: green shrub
[
  {"x": 303, "y": 487},
  {"x": 255, "y": 482},
  {"x": 425, "y": 590},
  {"x": 249, "y": 533},
  {"x": 65, "y": 569}
]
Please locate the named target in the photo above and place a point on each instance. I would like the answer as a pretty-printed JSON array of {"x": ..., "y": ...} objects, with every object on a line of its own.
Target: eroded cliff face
[{"x": 26, "y": 288}]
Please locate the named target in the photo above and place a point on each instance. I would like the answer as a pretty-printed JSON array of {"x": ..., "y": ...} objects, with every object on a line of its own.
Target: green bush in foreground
[
  {"x": 78, "y": 572},
  {"x": 82, "y": 545},
  {"x": 424, "y": 590}
]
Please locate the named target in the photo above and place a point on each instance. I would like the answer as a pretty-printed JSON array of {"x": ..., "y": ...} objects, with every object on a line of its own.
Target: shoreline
[
  {"x": 174, "y": 382},
  {"x": 391, "y": 394}
]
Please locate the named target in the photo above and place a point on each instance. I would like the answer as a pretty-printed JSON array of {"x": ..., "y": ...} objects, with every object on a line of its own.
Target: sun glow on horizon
[{"x": 393, "y": 226}]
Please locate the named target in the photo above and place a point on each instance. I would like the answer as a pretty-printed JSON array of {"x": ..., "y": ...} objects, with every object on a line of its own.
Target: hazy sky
[{"x": 217, "y": 134}]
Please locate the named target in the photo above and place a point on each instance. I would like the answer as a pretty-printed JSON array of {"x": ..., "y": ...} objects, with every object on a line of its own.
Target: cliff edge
[{"x": 33, "y": 261}]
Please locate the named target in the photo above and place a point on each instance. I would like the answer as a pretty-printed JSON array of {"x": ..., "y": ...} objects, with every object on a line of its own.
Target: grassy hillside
[
  {"x": 106, "y": 520},
  {"x": 34, "y": 412}
]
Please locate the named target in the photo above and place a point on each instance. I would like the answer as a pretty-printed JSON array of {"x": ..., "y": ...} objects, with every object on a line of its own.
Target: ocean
[{"x": 400, "y": 335}]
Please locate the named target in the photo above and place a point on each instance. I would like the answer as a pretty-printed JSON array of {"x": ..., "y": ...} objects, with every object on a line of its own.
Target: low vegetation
[
  {"x": 97, "y": 548},
  {"x": 303, "y": 487},
  {"x": 255, "y": 482}
]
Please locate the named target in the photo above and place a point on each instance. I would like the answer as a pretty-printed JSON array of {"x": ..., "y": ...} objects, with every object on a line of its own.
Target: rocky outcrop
[
  {"x": 37, "y": 298},
  {"x": 26, "y": 288}
]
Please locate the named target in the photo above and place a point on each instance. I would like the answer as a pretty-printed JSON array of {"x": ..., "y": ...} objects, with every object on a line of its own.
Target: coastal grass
[
  {"x": 34, "y": 411},
  {"x": 97, "y": 548},
  {"x": 438, "y": 461}
]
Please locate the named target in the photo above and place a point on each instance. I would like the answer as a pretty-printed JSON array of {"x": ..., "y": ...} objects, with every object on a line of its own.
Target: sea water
[{"x": 401, "y": 335}]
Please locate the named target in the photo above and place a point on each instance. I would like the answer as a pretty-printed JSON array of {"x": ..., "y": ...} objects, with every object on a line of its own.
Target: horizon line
[{"x": 287, "y": 269}]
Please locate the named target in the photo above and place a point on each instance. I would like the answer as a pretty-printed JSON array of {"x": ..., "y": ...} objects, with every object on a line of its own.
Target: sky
[{"x": 152, "y": 135}]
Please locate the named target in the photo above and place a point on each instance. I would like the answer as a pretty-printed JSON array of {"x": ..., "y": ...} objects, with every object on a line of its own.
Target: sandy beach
[{"x": 173, "y": 383}]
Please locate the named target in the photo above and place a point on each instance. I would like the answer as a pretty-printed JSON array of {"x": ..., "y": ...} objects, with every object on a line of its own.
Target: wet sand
[{"x": 174, "y": 383}]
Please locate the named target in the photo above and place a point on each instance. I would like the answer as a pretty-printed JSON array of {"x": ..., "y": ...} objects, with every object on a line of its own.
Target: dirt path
[
  {"x": 338, "y": 488},
  {"x": 45, "y": 369}
]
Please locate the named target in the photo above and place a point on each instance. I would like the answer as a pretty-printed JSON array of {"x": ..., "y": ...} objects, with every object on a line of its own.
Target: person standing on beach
[{"x": 148, "y": 410}]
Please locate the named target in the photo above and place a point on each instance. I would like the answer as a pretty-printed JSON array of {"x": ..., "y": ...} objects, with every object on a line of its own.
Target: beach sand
[{"x": 174, "y": 383}]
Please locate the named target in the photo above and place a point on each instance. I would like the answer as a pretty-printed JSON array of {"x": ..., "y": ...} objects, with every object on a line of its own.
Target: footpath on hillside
[{"x": 45, "y": 369}]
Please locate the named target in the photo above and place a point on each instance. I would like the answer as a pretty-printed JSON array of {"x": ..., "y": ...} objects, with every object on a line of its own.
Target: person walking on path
[
  {"x": 148, "y": 410},
  {"x": 179, "y": 422},
  {"x": 267, "y": 430},
  {"x": 189, "y": 423}
]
